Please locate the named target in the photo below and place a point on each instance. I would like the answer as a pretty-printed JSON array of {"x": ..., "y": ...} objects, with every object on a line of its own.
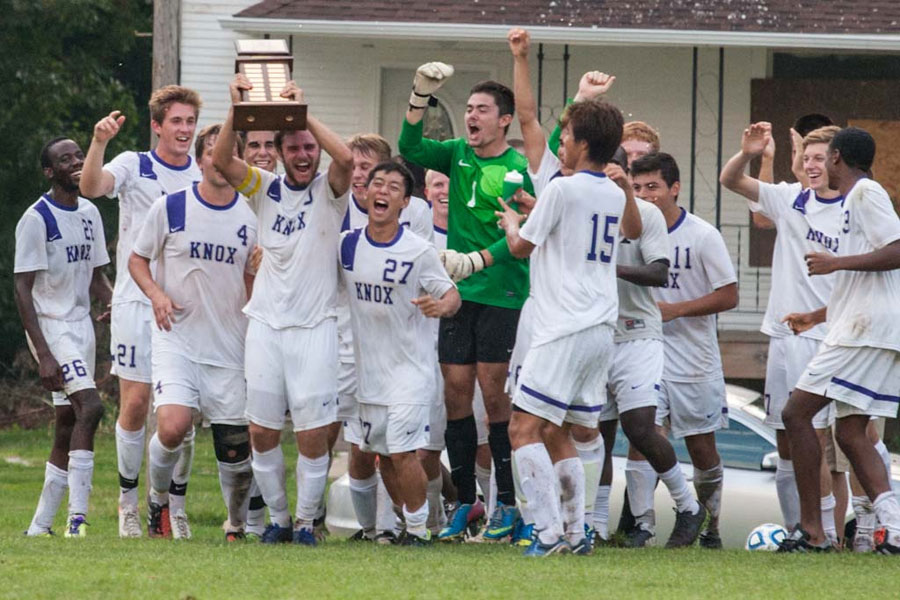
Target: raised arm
[
  {"x": 233, "y": 168},
  {"x": 734, "y": 176},
  {"x": 48, "y": 369},
  {"x": 96, "y": 182},
  {"x": 526, "y": 107},
  {"x": 797, "y": 158},
  {"x": 631, "y": 227},
  {"x": 429, "y": 78},
  {"x": 341, "y": 168}
]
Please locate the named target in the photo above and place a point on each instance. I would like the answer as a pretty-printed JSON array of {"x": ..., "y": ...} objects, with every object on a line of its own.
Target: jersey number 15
[{"x": 610, "y": 227}]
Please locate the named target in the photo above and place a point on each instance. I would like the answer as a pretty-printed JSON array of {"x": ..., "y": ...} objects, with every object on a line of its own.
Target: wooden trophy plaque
[{"x": 267, "y": 64}]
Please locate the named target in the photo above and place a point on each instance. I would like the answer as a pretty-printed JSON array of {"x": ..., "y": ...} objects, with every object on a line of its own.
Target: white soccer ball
[{"x": 766, "y": 537}]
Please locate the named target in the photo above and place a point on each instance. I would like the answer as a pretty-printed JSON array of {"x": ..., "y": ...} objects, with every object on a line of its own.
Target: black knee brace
[{"x": 231, "y": 442}]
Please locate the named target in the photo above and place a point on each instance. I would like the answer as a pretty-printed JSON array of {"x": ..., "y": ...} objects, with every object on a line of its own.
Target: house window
[{"x": 438, "y": 125}]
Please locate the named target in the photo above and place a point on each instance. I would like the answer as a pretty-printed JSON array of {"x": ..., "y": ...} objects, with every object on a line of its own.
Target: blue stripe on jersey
[
  {"x": 175, "y": 210},
  {"x": 145, "y": 166},
  {"x": 49, "y": 221},
  {"x": 385, "y": 244},
  {"x": 680, "y": 220},
  {"x": 865, "y": 391},
  {"x": 555, "y": 175},
  {"x": 345, "y": 225},
  {"x": 440, "y": 230},
  {"x": 183, "y": 167},
  {"x": 800, "y": 201},
  {"x": 274, "y": 191},
  {"x": 348, "y": 249}
]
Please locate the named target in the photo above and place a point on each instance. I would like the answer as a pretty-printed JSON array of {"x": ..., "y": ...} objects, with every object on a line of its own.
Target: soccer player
[
  {"x": 201, "y": 238},
  {"x": 639, "y": 139},
  {"x": 394, "y": 279},
  {"x": 807, "y": 220},
  {"x": 259, "y": 150},
  {"x": 702, "y": 283},
  {"x": 291, "y": 352},
  {"x": 60, "y": 252},
  {"x": 571, "y": 236},
  {"x": 138, "y": 179},
  {"x": 857, "y": 365},
  {"x": 477, "y": 342}
]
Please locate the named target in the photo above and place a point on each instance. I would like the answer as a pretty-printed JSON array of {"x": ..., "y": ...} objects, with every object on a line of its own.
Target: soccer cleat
[
  {"x": 459, "y": 519},
  {"x": 585, "y": 546},
  {"x": 181, "y": 529},
  {"x": 522, "y": 533},
  {"x": 386, "y": 538},
  {"x": 76, "y": 527},
  {"x": 129, "y": 522},
  {"x": 502, "y": 523},
  {"x": 275, "y": 534},
  {"x": 43, "y": 533},
  {"x": 305, "y": 536},
  {"x": 538, "y": 548},
  {"x": 639, "y": 537},
  {"x": 361, "y": 536},
  {"x": 627, "y": 522},
  {"x": 158, "y": 523},
  {"x": 252, "y": 537},
  {"x": 687, "y": 528},
  {"x": 798, "y": 541},
  {"x": 319, "y": 528},
  {"x": 411, "y": 539},
  {"x": 235, "y": 536},
  {"x": 887, "y": 548},
  {"x": 711, "y": 540}
]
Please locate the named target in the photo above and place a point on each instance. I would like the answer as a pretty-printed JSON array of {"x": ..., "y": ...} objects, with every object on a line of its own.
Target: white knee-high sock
[
  {"x": 882, "y": 451},
  {"x": 640, "y": 480},
  {"x": 181, "y": 474},
  {"x": 256, "y": 509},
  {"x": 234, "y": 479},
  {"x": 521, "y": 500},
  {"x": 679, "y": 490},
  {"x": 570, "y": 474},
  {"x": 601, "y": 511},
  {"x": 162, "y": 464},
  {"x": 56, "y": 482},
  {"x": 436, "y": 516},
  {"x": 386, "y": 518},
  {"x": 827, "y": 504},
  {"x": 364, "y": 495},
  {"x": 130, "y": 454},
  {"x": 865, "y": 514},
  {"x": 708, "y": 485},
  {"x": 81, "y": 471},
  {"x": 538, "y": 480},
  {"x": 312, "y": 477},
  {"x": 483, "y": 477},
  {"x": 416, "y": 520},
  {"x": 887, "y": 510},
  {"x": 268, "y": 470},
  {"x": 788, "y": 496},
  {"x": 591, "y": 455}
]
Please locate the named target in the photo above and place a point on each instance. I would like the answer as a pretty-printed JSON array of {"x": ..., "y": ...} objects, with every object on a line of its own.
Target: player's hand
[
  {"x": 519, "y": 42},
  {"x": 524, "y": 200},
  {"x": 105, "y": 316},
  {"x": 239, "y": 84},
  {"x": 668, "y": 311},
  {"x": 429, "y": 79},
  {"x": 796, "y": 143},
  {"x": 292, "y": 92},
  {"x": 821, "y": 263},
  {"x": 618, "y": 176},
  {"x": 255, "y": 259},
  {"x": 755, "y": 138},
  {"x": 50, "y": 373},
  {"x": 594, "y": 84},
  {"x": 769, "y": 150},
  {"x": 429, "y": 306},
  {"x": 508, "y": 219},
  {"x": 459, "y": 265},
  {"x": 800, "y": 322},
  {"x": 164, "y": 311},
  {"x": 107, "y": 127}
]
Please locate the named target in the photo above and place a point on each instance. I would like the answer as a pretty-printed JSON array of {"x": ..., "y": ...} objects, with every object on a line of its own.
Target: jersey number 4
[{"x": 610, "y": 226}]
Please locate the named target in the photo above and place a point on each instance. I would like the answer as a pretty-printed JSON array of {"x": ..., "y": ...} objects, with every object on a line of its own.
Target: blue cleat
[
  {"x": 585, "y": 545},
  {"x": 275, "y": 534},
  {"x": 305, "y": 536},
  {"x": 502, "y": 523},
  {"x": 522, "y": 533},
  {"x": 538, "y": 548},
  {"x": 458, "y": 519}
]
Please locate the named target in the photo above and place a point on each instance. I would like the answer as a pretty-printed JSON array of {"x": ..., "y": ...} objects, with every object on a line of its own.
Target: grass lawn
[{"x": 103, "y": 566}]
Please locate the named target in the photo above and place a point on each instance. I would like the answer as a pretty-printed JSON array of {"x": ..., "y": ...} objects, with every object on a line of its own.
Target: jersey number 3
[{"x": 610, "y": 225}]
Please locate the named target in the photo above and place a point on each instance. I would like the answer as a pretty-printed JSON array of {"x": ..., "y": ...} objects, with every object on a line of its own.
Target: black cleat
[
  {"x": 627, "y": 522},
  {"x": 386, "y": 538},
  {"x": 158, "y": 525},
  {"x": 887, "y": 548},
  {"x": 710, "y": 540},
  {"x": 639, "y": 537},
  {"x": 687, "y": 528},
  {"x": 798, "y": 541},
  {"x": 411, "y": 539},
  {"x": 360, "y": 536}
]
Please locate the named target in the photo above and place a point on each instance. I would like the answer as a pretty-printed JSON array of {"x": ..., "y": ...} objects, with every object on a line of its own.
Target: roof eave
[{"x": 596, "y": 36}]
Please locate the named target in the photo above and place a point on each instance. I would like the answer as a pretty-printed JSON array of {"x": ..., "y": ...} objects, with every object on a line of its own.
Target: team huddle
[{"x": 535, "y": 298}]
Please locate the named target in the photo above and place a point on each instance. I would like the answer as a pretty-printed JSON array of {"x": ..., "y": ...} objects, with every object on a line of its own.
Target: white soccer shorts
[
  {"x": 565, "y": 379},
  {"x": 394, "y": 428},
  {"x": 130, "y": 333},
  {"x": 788, "y": 357},
  {"x": 346, "y": 395},
  {"x": 861, "y": 380},
  {"x": 219, "y": 394},
  {"x": 692, "y": 408},
  {"x": 637, "y": 367},
  {"x": 72, "y": 345},
  {"x": 292, "y": 369}
]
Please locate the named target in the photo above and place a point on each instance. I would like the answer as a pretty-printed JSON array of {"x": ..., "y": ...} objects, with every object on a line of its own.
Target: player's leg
[
  {"x": 785, "y": 482},
  {"x": 708, "y": 479},
  {"x": 312, "y": 477},
  {"x": 570, "y": 476},
  {"x": 232, "y": 447},
  {"x": 483, "y": 460},
  {"x": 776, "y": 394},
  {"x": 600, "y": 523},
  {"x": 88, "y": 412},
  {"x": 828, "y": 502},
  {"x": 267, "y": 462},
  {"x": 589, "y": 447},
  {"x": 174, "y": 421},
  {"x": 56, "y": 481},
  {"x": 363, "y": 482}
]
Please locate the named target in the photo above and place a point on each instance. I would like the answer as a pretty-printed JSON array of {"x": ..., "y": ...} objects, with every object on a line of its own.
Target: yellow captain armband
[{"x": 251, "y": 183}]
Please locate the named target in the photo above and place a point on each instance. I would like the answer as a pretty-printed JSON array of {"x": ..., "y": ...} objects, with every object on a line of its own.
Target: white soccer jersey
[
  {"x": 393, "y": 343},
  {"x": 805, "y": 223},
  {"x": 296, "y": 285},
  {"x": 416, "y": 216},
  {"x": 864, "y": 309},
  {"x": 548, "y": 170},
  {"x": 440, "y": 238},
  {"x": 700, "y": 264},
  {"x": 140, "y": 178},
  {"x": 639, "y": 316},
  {"x": 201, "y": 252},
  {"x": 575, "y": 226},
  {"x": 64, "y": 245}
]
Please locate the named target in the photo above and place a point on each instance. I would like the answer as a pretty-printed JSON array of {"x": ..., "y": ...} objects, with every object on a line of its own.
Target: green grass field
[{"x": 102, "y": 566}]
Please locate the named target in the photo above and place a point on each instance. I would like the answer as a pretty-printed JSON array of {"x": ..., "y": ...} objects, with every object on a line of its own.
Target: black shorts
[{"x": 478, "y": 333}]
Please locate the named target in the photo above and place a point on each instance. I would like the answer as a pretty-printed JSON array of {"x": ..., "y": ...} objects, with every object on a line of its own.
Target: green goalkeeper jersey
[{"x": 475, "y": 184}]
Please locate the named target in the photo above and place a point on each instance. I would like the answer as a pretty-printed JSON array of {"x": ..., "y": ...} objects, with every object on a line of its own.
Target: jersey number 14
[{"x": 610, "y": 226}]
